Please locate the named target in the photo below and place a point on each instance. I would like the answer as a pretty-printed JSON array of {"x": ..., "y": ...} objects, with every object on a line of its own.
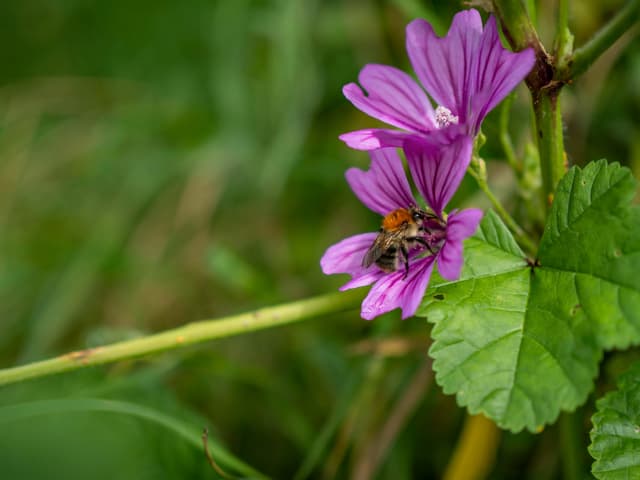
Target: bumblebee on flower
[{"x": 400, "y": 277}]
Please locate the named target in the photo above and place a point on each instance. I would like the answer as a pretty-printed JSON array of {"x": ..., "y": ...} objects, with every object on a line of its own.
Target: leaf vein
[{"x": 566, "y": 374}]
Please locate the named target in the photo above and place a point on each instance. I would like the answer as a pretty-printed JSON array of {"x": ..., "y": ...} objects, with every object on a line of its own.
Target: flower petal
[
  {"x": 375, "y": 138},
  {"x": 460, "y": 225},
  {"x": 384, "y": 187},
  {"x": 365, "y": 279},
  {"x": 437, "y": 169},
  {"x": 346, "y": 256},
  {"x": 497, "y": 71},
  {"x": 443, "y": 65},
  {"x": 393, "y": 97},
  {"x": 391, "y": 291},
  {"x": 468, "y": 71}
]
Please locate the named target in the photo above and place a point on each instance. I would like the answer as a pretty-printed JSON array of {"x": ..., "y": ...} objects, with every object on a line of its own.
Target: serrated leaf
[
  {"x": 491, "y": 251},
  {"x": 594, "y": 235},
  {"x": 615, "y": 437},
  {"x": 494, "y": 349},
  {"x": 522, "y": 343},
  {"x": 493, "y": 232}
]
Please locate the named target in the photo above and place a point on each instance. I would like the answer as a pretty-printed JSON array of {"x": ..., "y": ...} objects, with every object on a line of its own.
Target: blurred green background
[{"x": 163, "y": 162}]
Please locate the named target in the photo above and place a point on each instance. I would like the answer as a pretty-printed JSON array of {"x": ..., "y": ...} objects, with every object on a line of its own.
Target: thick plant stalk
[
  {"x": 548, "y": 125},
  {"x": 189, "y": 334}
]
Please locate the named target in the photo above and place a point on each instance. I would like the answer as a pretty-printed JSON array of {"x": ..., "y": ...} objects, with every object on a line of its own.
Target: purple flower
[
  {"x": 437, "y": 170},
  {"x": 467, "y": 73}
]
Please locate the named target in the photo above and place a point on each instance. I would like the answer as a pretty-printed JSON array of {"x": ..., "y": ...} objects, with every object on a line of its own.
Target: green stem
[
  {"x": 548, "y": 124},
  {"x": 189, "y": 334},
  {"x": 505, "y": 138},
  {"x": 521, "y": 236},
  {"x": 564, "y": 39},
  {"x": 584, "y": 56},
  {"x": 520, "y": 33},
  {"x": 517, "y": 25}
]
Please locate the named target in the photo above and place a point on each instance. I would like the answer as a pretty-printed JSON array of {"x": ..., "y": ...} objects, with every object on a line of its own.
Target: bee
[{"x": 400, "y": 231}]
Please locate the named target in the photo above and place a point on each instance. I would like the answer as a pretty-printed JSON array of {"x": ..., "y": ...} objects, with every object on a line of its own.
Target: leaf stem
[
  {"x": 584, "y": 56},
  {"x": 478, "y": 171},
  {"x": 505, "y": 138},
  {"x": 192, "y": 333}
]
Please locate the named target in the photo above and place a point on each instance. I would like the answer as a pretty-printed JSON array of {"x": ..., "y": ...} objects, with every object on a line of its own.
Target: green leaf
[
  {"x": 516, "y": 360},
  {"x": 615, "y": 437},
  {"x": 593, "y": 235},
  {"x": 521, "y": 343}
]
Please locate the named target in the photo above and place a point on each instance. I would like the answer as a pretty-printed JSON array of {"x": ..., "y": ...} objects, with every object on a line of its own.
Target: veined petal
[
  {"x": 444, "y": 65},
  {"x": 375, "y": 138},
  {"x": 346, "y": 256},
  {"x": 391, "y": 291},
  {"x": 437, "y": 169},
  {"x": 460, "y": 225},
  {"x": 496, "y": 72},
  {"x": 393, "y": 97},
  {"x": 384, "y": 187},
  {"x": 363, "y": 280}
]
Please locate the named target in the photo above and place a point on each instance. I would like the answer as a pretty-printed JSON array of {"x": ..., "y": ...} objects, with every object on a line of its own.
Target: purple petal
[
  {"x": 346, "y": 256},
  {"x": 437, "y": 169},
  {"x": 375, "y": 138},
  {"x": 384, "y": 187},
  {"x": 497, "y": 72},
  {"x": 392, "y": 291},
  {"x": 443, "y": 65},
  {"x": 468, "y": 71},
  {"x": 365, "y": 279},
  {"x": 460, "y": 225},
  {"x": 393, "y": 97}
]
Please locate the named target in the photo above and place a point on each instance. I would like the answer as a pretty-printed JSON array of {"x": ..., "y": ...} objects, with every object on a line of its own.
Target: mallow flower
[
  {"x": 437, "y": 170},
  {"x": 467, "y": 73}
]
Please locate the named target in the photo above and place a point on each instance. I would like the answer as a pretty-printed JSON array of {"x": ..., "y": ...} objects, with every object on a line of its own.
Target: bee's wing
[
  {"x": 374, "y": 253},
  {"x": 380, "y": 245}
]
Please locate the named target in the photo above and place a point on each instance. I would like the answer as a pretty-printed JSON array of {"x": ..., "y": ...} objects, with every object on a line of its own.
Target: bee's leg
[
  {"x": 405, "y": 254},
  {"x": 422, "y": 242}
]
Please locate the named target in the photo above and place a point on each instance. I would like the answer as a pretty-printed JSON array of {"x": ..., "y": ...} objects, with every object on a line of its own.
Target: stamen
[{"x": 444, "y": 117}]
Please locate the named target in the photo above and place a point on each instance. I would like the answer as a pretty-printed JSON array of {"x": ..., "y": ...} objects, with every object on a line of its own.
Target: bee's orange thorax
[{"x": 396, "y": 219}]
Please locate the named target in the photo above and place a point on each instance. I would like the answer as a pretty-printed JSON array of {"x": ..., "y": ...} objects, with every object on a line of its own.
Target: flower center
[
  {"x": 434, "y": 233},
  {"x": 444, "y": 117}
]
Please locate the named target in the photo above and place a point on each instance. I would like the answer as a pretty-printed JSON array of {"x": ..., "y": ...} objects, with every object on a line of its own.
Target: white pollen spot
[{"x": 444, "y": 117}]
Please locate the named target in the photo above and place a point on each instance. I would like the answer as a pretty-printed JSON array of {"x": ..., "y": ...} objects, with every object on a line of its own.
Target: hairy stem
[
  {"x": 548, "y": 128},
  {"x": 478, "y": 171},
  {"x": 189, "y": 334},
  {"x": 520, "y": 33},
  {"x": 563, "y": 44},
  {"x": 544, "y": 88}
]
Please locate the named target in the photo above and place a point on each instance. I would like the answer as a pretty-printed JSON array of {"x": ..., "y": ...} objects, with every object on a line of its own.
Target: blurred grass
[{"x": 162, "y": 162}]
